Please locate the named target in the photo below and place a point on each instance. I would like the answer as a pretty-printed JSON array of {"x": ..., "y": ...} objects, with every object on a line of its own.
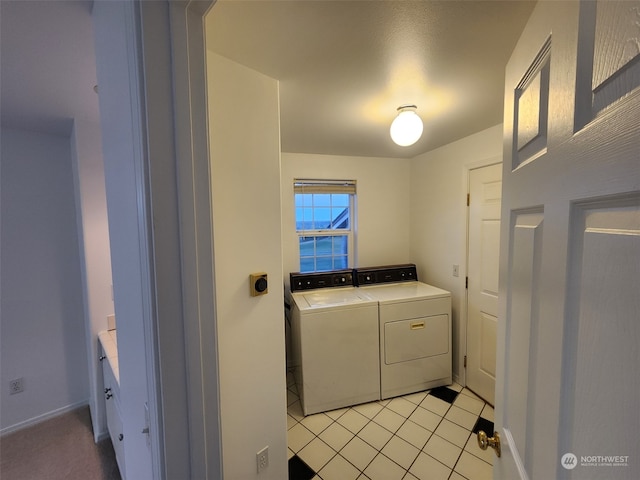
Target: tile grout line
[
  {"x": 405, "y": 418},
  {"x": 430, "y": 437}
]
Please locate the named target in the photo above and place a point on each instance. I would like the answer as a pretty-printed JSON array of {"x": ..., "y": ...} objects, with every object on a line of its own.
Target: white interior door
[
  {"x": 485, "y": 192},
  {"x": 567, "y": 385}
]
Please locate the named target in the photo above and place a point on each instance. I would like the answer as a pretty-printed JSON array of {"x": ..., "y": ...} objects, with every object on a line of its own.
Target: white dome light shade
[{"x": 406, "y": 128}]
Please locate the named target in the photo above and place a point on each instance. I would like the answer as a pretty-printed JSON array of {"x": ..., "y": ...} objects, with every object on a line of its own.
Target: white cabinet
[{"x": 110, "y": 372}]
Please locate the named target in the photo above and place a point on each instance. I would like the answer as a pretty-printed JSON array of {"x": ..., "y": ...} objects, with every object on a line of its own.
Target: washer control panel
[{"x": 309, "y": 281}]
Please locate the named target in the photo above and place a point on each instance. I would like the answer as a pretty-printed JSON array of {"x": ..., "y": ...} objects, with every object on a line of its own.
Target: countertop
[{"x": 109, "y": 342}]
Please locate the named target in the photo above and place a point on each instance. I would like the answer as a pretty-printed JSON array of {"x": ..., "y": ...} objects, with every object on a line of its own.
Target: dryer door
[{"x": 407, "y": 340}]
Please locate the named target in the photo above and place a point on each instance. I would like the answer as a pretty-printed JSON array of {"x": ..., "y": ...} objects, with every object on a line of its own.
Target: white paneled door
[
  {"x": 485, "y": 191},
  {"x": 567, "y": 383}
]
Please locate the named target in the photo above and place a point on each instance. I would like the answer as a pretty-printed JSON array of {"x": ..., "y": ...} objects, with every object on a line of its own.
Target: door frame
[
  {"x": 181, "y": 333},
  {"x": 464, "y": 269},
  {"x": 188, "y": 67}
]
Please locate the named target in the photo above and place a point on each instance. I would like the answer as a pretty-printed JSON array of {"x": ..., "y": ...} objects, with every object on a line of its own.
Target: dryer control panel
[{"x": 387, "y": 274}]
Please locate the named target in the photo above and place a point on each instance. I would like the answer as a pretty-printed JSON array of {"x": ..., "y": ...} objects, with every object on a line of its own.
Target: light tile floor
[{"x": 425, "y": 435}]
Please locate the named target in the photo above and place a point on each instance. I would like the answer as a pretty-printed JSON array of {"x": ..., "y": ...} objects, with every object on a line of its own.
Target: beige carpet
[{"x": 58, "y": 448}]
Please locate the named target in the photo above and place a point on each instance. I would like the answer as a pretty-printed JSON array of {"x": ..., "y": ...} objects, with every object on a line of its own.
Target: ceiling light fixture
[{"x": 406, "y": 128}]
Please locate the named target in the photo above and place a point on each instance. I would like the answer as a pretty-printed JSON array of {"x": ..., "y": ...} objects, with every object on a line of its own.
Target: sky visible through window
[
  {"x": 322, "y": 211},
  {"x": 319, "y": 219}
]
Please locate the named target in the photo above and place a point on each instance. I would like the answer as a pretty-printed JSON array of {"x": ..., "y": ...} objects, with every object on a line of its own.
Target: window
[{"x": 324, "y": 223}]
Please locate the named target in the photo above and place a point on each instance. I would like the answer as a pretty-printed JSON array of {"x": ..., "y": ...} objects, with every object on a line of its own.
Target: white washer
[
  {"x": 415, "y": 330},
  {"x": 334, "y": 335}
]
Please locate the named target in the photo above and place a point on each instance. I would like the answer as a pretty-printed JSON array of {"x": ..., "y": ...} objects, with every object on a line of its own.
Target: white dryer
[
  {"x": 415, "y": 329},
  {"x": 334, "y": 336}
]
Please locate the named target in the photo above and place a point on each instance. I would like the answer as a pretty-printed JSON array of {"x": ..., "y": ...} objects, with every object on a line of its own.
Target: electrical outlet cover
[
  {"x": 16, "y": 386},
  {"x": 262, "y": 459}
]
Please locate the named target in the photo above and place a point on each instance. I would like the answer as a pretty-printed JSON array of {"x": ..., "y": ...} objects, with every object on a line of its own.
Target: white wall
[
  {"x": 439, "y": 215},
  {"x": 95, "y": 254},
  {"x": 245, "y": 160},
  {"x": 383, "y": 205},
  {"x": 42, "y": 329}
]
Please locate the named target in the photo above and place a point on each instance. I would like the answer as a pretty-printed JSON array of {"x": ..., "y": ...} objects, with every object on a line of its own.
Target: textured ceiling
[{"x": 345, "y": 66}]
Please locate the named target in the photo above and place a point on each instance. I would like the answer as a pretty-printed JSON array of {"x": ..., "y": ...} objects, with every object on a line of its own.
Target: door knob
[{"x": 494, "y": 442}]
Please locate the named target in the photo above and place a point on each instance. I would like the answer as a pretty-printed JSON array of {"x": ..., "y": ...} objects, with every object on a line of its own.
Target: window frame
[{"x": 315, "y": 186}]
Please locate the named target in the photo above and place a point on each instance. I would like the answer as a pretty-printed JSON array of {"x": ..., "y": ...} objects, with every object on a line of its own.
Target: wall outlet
[
  {"x": 16, "y": 386},
  {"x": 456, "y": 270},
  {"x": 262, "y": 459}
]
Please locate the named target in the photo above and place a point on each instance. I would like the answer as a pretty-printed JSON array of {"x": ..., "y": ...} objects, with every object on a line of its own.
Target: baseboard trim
[
  {"x": 41, "y": 418},
  {"x": 102, "y": 436}
]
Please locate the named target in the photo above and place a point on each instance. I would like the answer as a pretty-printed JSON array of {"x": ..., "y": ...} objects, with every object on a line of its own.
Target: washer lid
[
  {"x": 331, "y": 297},
  {"x": 397, "y": 292}
]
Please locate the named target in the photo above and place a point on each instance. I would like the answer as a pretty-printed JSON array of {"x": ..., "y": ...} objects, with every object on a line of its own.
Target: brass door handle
[{"x": 494, "y": 442}]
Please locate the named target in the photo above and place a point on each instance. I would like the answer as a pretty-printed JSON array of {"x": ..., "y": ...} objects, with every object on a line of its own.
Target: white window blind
[{"x": 324, "y": 186}]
